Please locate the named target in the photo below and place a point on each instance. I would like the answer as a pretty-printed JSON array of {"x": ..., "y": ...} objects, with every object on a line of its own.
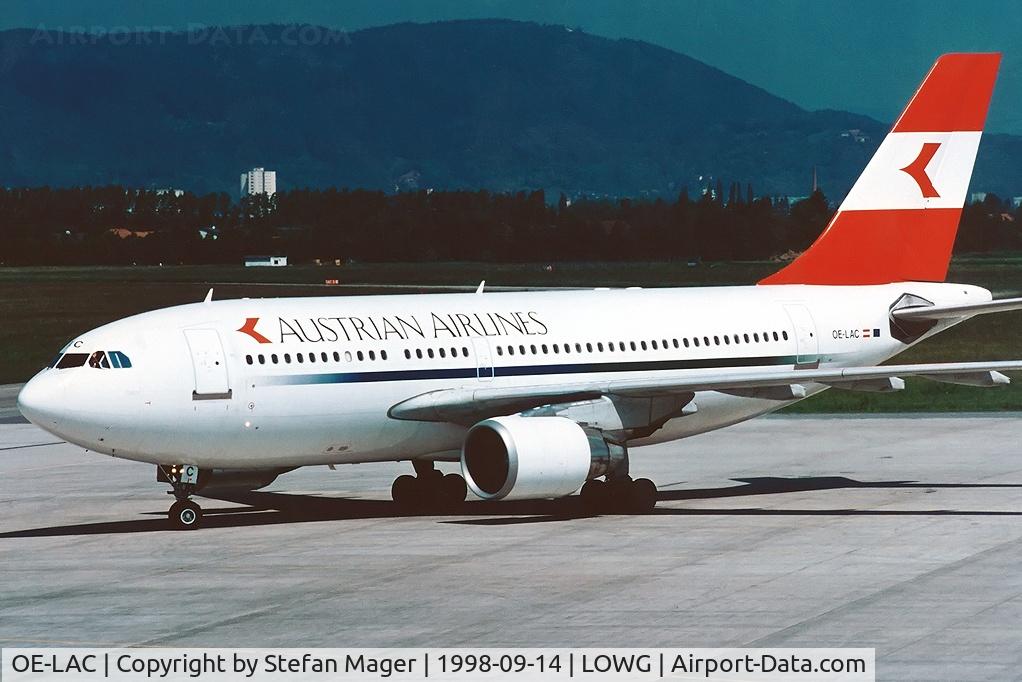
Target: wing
[
  {"x": 468, "y": 405},
  {"x": 940, "y": 312}
]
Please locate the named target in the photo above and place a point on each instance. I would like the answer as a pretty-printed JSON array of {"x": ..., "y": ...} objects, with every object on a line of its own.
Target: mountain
[{"x": 465, "y": 104}]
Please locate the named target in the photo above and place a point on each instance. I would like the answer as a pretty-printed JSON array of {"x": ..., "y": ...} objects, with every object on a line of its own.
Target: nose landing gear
[{"x": 184, "y": 514}]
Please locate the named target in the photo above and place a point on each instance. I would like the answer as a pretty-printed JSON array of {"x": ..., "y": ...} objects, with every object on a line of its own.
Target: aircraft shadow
[{"x": 270, "y": 508}]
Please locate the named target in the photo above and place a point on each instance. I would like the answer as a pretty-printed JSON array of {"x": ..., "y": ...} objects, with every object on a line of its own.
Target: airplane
[{"x": 541, "y": 394}]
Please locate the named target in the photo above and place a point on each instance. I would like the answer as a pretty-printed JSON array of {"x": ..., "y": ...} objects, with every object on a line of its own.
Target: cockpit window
[
  {"x": 119, "y": 359},
  {"x": 72, "y": 360},
  {"x": 114, "y": 359}
]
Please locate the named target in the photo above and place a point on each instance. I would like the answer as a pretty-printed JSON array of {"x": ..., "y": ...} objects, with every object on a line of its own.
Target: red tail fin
[{"x": 899, "y": 221}]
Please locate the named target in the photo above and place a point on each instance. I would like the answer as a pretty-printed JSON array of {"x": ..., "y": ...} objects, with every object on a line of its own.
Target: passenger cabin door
[
  {"x": 807, "y": 345},
  {"x": 209, "y": 365},
  {"x": 484, "y": 362}
]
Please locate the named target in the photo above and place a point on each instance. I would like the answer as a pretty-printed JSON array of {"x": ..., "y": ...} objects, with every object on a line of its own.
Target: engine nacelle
[{"x": 521, "y": 458}]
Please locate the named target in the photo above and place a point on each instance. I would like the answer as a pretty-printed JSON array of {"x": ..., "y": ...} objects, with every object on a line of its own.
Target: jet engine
[{"x": 521, "y": 458}]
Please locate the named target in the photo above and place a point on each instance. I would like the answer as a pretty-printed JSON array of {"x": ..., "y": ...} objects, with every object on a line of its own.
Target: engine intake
[{"x": 534, "y": 457}]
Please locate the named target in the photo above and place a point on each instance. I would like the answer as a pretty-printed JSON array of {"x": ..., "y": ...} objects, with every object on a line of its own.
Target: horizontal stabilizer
[{"x": 941, "y": 312}]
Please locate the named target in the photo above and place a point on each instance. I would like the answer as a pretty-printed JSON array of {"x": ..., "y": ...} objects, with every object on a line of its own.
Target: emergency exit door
[{"x": 209, "y": 365}]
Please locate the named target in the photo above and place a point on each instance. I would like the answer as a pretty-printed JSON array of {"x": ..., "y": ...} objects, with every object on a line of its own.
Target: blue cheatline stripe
[{"x": 522, "y": 370}]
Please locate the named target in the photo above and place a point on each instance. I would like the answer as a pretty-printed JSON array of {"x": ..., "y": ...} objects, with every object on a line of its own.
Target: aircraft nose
[{"x": 38, "y": 401}]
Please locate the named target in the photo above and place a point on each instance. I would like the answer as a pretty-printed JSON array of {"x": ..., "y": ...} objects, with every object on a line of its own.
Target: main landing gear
[
  {"x": 619, "y": 495},
  {"x": 184, "y": 514},
  {"x": 428, "y": 489}
]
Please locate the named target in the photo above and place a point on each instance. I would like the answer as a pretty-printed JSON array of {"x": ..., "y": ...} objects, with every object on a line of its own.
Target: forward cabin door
[
  {"x": 484, "y": 362},
  {"x": 808, "y": 345},
  {"x": 209, "y": 365}
]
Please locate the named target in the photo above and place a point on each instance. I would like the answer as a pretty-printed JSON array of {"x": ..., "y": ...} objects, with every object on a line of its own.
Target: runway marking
[{"x": 33, "y": 445}]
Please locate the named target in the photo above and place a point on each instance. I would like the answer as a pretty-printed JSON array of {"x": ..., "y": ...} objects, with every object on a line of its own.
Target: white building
[
  {"x": 265, "y": 261},
  {"x": 258, "y": 181}
]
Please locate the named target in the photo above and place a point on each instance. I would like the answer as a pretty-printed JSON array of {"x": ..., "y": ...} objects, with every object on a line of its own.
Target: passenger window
[
  {"x": 643, "y": 344},
  {"x": 248, "y": 359},
  {"x": 262, "y": 359},
  {"x": 785, "y": 335},
  {"x": 775, "y": 337},
  {"x": 685, "y": 340},
  {"x": 287, "y": 358},
  {"x": 716, "y": 340},
  {"x": 653, "y": 342},
  {"x": 510, "y": 350},
  {"x": 454, "y": 352},
  {"x": 347, "y": 356},
  {"x": 429, "y": 352},
  {"x": 500, "y": 350},
  {"x": 312, "y": 357},
  {"x": 727, "y": 340},
  {"x": 408, "y": 354},
  {"x": 599, "y": 346},
  {"x": 273, "y": 358},
  {"x": 706, "y": 340},
  {"x": 360, "y": 355},
  {"x": 567, "y": 348},
  {"x": 737, "y": 340},
  {"x": 555, "y": 348},
  {"x": 324, "y": 357},
  {"x": 634, "y": 347},
  {"x": 676, "y": 343},
  {"x": 418, "y": 353},
  {"x": 337, "y": 356},
  {"x": 533, "y": 349},
  {"x": 578, "y": 347},
  {"x": 300, "y": 358},
  {"x": 544, "y": 348},
  {"x": 443, "y": 353},
  {"x": 589, "y": 347},
  {"x": 755, "y": 337},
  {"x": 696, "y": 340},
  {"x": 372, "y": 355}
]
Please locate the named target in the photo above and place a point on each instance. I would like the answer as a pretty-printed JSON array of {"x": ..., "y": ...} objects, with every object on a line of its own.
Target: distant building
[
  {"x": 977, "y": 197},
  {"x": 265, "y": 261},
  {"x": 258, "y": 181}
]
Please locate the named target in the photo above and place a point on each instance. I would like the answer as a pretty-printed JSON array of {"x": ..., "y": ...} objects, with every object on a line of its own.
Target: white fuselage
[{"x": 285, "y": 382}]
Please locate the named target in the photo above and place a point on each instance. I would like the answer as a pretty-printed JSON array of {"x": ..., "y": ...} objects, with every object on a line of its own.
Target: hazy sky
[{"x": 865, "y": 56}]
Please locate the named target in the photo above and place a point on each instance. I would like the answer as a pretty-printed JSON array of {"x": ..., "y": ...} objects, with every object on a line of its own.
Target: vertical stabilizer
[{"x": 899, "y": 221}]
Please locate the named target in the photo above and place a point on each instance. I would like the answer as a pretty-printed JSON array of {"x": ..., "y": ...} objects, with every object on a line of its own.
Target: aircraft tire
[{"x": 185, "y": 515}]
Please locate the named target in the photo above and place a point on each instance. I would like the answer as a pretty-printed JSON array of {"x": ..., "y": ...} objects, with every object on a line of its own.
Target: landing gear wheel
[
  {"x": 185, "y": 515},
  {"x": 405, "y": 491},
  {"x": 453, "y": 490},
  {"x": 643, "y": 496},
  {"x": 594, "y": 496}
]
